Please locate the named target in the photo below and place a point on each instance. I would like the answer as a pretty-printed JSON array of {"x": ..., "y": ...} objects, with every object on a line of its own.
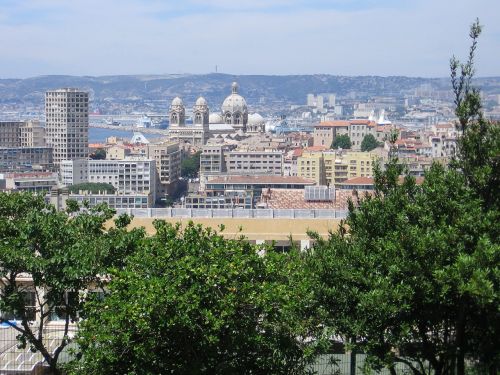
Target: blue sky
[{"x": 346, "y": 37}]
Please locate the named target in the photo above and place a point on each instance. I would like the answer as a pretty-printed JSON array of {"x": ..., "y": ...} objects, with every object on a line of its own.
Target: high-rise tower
[{"x": 67, "y": 123}]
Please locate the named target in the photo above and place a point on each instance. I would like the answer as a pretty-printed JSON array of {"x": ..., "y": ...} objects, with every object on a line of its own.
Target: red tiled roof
[
  {"x": 333, "y": 123},
  {"x": 358, "y": 181},
  {"x": 316, "y": 148}
]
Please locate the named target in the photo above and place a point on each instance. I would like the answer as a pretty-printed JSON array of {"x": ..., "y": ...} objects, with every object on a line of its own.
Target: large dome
[
  {"x": 234, "y": 102},
  {"x": 215, "y": 118}
]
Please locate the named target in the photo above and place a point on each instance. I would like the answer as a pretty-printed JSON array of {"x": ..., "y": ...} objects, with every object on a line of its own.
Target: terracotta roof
[
  {"x": 333, "y": 123},
  {"x": 358, "y": 181},
  {"x": 261, "y": 180},
  {"x": 97, "y": 145},
  {"x": 294, "y": 198},
  {"x": 316, "y": 148},
  {"x": 297, "y": 152},
  {"x": 362, "y": 122}
]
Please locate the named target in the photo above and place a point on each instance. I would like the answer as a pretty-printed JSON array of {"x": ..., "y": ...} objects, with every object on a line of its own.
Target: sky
[{"x": 341, "y": 37}]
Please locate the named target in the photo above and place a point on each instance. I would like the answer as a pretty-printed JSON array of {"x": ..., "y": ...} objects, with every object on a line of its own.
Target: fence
[
  {"x": 340, "y": 364},
  {"x": 234, "y": 213},
  {"x": 18, "y": 360}
]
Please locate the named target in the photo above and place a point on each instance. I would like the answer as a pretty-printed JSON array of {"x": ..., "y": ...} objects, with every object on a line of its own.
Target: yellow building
[
  {"x": 311, "y": 165},
  {"x": 331, "y": 167}
]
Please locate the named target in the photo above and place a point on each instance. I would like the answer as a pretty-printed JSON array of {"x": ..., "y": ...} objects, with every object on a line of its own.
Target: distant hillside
[{"x": 215, "y": 87}]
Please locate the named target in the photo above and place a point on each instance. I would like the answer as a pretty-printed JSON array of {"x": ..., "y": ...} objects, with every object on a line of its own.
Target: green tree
[
  {"x": 62, "y": 255},
  {"x": 192, "y": 302},
  {"x": 369, "y": 143},
  {"x": 412, "y": 275},
  {"x": 190, "y": 165},
  {"x": 342, "y": 141},
  {"x": 99, "y": 154},
  {"x": 92, "y": 187}
]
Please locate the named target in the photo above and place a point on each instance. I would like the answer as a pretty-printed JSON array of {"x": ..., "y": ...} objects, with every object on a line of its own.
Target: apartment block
[
  {"x": 25, "y": 158},
  {"x": 10, "y": 133},
  {"x": 330, "y": 167},
  {"x": 35, "y": 182},
  {"x": 67, "y": 123},
  {"x": 73, "y": 172},
  {"x": 326, "y": 132},
  {"x": 167, "y": 157},
  {"x": 32, "y": 134},
  {"x": 253, "y": 162}
]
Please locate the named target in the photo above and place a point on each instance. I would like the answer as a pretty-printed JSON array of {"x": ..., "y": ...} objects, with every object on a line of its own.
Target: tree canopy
[
  {"x": 369, "y": 143},
  {"x": 191, "y": 302},
  {"x": 190, "y": 165},
  {"x": 92, "y": 187},
  {"x": 63, "y": 255},
  {"x": 412, "y": 276},
  {"x": 342, "y": 141}
]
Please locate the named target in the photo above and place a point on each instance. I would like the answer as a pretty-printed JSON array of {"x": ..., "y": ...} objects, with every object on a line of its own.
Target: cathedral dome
[
  {"x": 215, "y": 118},
  {"x": 177, "y": 101},
  {"x": 255, "y": 119},
  {"x": 234, "y": 102},
  {"x": 201, "y": 101}
]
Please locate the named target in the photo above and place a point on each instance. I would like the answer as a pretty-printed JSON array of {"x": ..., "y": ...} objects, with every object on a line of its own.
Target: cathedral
[{"x": 234, "y": 118}]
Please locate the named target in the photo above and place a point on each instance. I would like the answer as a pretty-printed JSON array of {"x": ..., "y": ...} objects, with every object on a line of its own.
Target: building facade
[
  {"x": 67, "y": 123},
  {"x": 167, "y": 157},
  {"x": 25, "y": 158}
]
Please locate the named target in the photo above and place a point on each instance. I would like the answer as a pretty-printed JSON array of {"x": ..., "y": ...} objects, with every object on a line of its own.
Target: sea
[{"x": 99, "y": 135}]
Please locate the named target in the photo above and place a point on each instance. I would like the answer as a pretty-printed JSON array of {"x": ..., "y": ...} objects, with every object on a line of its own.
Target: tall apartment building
[
  {"x": 67, "y": 123},
  {"x": 167, "y": 157}
]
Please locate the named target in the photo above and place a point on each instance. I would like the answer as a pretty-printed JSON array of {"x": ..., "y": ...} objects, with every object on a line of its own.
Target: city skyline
[{"x": 338, "y": 37}]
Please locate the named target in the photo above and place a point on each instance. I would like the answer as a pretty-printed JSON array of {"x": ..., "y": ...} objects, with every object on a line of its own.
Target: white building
[{"x": 131, "y": 175}]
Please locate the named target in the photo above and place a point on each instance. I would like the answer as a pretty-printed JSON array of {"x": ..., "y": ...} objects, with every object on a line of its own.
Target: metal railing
[{"x": 234, "y": 213}]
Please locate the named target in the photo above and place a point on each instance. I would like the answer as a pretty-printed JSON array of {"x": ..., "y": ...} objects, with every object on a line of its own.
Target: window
[
  {"x": 30, "y": 306},
  {"x": 60, "y": 311}
]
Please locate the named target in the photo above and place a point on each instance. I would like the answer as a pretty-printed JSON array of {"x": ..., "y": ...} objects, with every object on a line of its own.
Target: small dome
[
  {"x": 177, "y": 101},
  {"x": 255, "y": 119},
  {"x": 201, "y": 101},
  {"x": 215, "y": 118}
]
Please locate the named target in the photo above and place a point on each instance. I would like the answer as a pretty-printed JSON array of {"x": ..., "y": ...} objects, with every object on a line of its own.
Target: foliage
[
  {"x": 99, "y": 154},
  {"x": 92, "y": 187},
  {"x": 413, "y": 274},
  {"x": 369, "y": 143},
  {"x": 62, "y": 255},
  {"x": 190, "y": 165},
  {"x": 192, "y": 302},
  {"x": 413, "y": 269},
  {"x": 342, "y": 141}
]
